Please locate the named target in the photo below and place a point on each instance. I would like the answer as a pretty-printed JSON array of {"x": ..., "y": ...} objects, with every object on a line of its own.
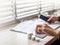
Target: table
[
  {"x": 29, "y": 26},
  {"x": 51, "y": 41},
  {"x": 46, "y": 41}
]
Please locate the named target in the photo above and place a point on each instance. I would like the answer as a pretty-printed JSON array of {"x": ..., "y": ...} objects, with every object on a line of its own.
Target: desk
[
  {"x": 51, "y": 41},
  {"x": 28, "y": 27},
  {"x": 26, "y": 41}
]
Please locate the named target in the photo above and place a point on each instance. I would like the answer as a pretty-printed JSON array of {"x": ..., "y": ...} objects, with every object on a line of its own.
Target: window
[
  {"x": 49, "y": 5},
  {"x": 6, "y": 11},
  {"x": 26, "y": 8},
  {"x": 15, "y": 9}
]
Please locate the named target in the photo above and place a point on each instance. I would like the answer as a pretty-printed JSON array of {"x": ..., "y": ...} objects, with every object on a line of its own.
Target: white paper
[
  {"x": 30, "y": 26},
  {"x": 54, "y": 26}
]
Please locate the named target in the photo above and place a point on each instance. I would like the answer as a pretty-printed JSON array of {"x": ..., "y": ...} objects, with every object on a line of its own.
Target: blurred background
[{"x": 13, "y": 11}]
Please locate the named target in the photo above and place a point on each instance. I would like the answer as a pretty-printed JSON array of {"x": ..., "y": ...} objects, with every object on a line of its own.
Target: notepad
[
  {"x": 39, "y": 35},
  {"x": 54, "y": 26},
  {"x": 30, "y": 26}
]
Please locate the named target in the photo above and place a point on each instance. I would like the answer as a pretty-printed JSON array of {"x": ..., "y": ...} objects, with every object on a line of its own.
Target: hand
[
  {"x": 46, "y": 27},
  {"x": 39, "y": 29},
  {"x": 52, "y": 19},
  {"x": 50, "y": 31},
  {"x": 43, "y": 29}
]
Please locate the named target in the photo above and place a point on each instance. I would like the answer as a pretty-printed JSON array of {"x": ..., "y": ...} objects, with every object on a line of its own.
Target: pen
[{"x": 50, "y": 18}]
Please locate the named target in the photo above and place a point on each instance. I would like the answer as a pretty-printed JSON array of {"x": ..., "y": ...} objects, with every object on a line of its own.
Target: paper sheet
[
  {"x": 30, "y": 26},
  {"x": 54, "y": 26}
]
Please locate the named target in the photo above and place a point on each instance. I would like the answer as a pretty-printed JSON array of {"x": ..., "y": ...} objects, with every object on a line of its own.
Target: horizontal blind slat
[
  {"x": 26, "y": 8},
  {"x": 6, "y": 11}
]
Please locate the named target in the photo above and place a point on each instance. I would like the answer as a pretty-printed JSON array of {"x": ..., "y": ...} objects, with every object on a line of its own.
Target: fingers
[
  {"x": 50, "y": 18},
  {"x": 39, "y": 29}
]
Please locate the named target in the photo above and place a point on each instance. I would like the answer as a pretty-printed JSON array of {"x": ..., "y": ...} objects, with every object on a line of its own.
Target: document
[
  {"x": 30, "y": 26},
  {"x": 54, "y": 26},
  {"x": 24, "y": 27}
]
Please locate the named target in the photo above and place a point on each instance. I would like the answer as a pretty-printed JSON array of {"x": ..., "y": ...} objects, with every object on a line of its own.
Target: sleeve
[{"x": 59, "y": 19}]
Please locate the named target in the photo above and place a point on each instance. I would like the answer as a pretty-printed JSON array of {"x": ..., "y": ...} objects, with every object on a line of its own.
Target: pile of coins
[{"x": 33, "y": 37}]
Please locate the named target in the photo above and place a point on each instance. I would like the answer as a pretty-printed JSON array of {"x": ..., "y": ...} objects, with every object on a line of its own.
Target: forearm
[{"x": 51, "y": 32}]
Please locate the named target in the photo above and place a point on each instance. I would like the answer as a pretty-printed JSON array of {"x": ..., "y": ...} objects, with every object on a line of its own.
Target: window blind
[
  {"x": 56, "y": 4},
  {"x": 26, "y": 8},
  {"x": 6, "y": 11},
  {"x": 15, "y": 9},
  {"x": 46, "y": 5}
]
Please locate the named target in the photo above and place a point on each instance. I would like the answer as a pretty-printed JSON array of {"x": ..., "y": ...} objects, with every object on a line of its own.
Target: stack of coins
[
  {"x": 33, "y": 37},
  {"x": 37, "y": 39},
  {"x": 29, "y": 36}
]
